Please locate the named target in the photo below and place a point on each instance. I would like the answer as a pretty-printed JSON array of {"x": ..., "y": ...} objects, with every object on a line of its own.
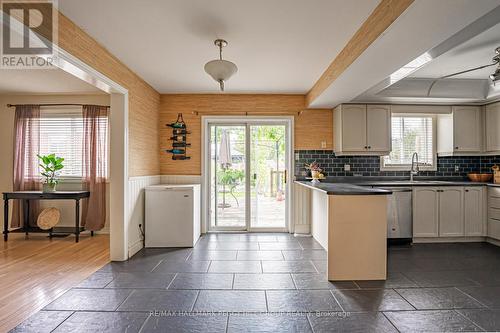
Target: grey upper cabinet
[
  {"x": 460, "y": 132},
  {"x": 362, "y": 129},
  {"x": 492, "y": 126}
]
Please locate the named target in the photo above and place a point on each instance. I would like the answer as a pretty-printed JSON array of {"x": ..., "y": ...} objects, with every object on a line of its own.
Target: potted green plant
[{"x": 51, "y": 166}]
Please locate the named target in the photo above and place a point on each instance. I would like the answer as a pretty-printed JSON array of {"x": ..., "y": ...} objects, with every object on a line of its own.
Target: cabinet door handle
[
  {"x": 456, "y": 148},
  {"x": 366, "y": 147},
  {"x": 466, "y": 190},
  {"x": 369, "y": 147}
]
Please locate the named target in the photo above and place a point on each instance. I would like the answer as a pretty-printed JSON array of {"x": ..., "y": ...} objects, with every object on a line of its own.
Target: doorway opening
[{"x": 246, "y": 174}]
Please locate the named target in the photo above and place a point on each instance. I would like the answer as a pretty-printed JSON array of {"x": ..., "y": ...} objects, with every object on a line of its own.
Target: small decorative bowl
[{"x": 480, "y": 177}]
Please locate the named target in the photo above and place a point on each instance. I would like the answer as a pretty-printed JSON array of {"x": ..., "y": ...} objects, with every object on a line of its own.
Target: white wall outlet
[
  {"x": 297, "y": 156},
  {"x": 323, "y": 144},
  {"x": 347, "y": 167},
  {"x": 457, "y": 168}
]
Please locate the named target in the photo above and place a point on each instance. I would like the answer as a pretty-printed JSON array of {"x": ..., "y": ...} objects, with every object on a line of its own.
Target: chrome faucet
[{"x": 414, "y": 166}]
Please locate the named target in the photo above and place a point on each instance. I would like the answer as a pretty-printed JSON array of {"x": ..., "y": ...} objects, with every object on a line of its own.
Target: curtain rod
[{"x": 55, "y": 104}]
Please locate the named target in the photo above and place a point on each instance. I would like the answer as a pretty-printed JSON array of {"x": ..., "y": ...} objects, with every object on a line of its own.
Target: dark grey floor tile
[
  {"x": 320, "y": 265},
  {"x": 231, "y": 301},
  {"x": 489, "y": 278},
  {"x": 304, "y": 254},
  {"x": 89, "y": 300},
  {"x": 141, "y": 280},
  {"x": 371, "y": 300},
  {"x": 159, "y": 300},
  {"x": 212, "y": 255},
  {"x": 489, "y": 296},
  {"x": 137, "y": 265},
  {"x": 280, "y": 246},
  {"x": 189, "y": 266},
  {"x": 430, "y": 321},
  {"x": 440, "y": 279},
  {"x": 235, "y": 267},
  {"x": 246, "y": 246},
  {"x": 309, "y": 243},
  {"x": 394, "y": 280},
  {"x": 42, "y": 322},
  {"x": 351, "y": 322},
  {"x": 105, "y": 322},
  {"x": 320, "y": 281},
  {"x": 302, "y": 266},
  {"x": 200, "y": 323},
  {"x": 97, "y": 280},
  {"x": 488, "y": 320},
  {"x": 259, "y": 255},
  {"x": 269, "y": 323},
  {"x": 263, "y": 281},
  {"x": 202, "y": 281},
  {"x": 170, "y": 254},
  {"x": 438, "y": 298},
  {"x": 301, "y": 300}
]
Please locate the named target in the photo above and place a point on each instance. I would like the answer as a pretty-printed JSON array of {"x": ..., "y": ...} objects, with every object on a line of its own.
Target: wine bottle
[
  {"x": 181, "y": 144},
  {"x": 180, "y": 157},
  {"x": 176, "y": 125},
  {"x": 180, "y": 132},
  {"x": 178, "y": 138},
  {"x": 176, "y": 151}
]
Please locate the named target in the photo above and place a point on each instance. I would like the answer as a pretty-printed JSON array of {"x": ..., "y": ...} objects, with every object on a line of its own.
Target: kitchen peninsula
[{"x": 350, "y": 222}]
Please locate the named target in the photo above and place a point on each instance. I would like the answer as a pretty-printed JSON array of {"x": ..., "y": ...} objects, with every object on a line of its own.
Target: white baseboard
[
  {"x": 134, "y": 248},
  {"x": 493, "y": 241},
  {"x": 448, "y": 239},
  {"x": 304, "y": 229}
]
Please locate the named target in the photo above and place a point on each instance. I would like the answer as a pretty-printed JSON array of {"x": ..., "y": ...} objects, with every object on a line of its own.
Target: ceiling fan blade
[
  {"x": 466, "y": 71},
  {"x": 455, "y": 74}
]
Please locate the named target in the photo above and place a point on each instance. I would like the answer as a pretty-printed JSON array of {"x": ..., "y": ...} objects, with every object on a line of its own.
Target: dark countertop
[
  {"x": 368, "y": 185},
  {"x": 343, "y": 188}
]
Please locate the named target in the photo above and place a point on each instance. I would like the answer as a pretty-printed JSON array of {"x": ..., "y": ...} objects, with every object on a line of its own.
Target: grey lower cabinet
[
  {"x": 451, "y": 211},
  {"x": 494, "y": 212}
]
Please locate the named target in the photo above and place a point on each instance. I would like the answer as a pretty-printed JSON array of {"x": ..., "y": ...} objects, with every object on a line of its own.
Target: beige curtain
[
  {"x": 95, "y": 133},
  {"x": 26, "y": 147}
]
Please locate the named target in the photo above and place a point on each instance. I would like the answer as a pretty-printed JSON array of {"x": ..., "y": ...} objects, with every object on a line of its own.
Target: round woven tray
[{"x": 48, "y": 218}]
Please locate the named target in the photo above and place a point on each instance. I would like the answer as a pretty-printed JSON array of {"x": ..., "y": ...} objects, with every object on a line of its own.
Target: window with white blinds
[
  {"x": 61, "y": 133},
  {"x": 411, "y": 133}
]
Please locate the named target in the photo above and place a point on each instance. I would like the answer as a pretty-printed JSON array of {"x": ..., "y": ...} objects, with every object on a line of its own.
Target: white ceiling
[
  {"x": 42, "y": 81},
  {"x": 280, "y": 46},
  {"x": 473, "y": 53}
]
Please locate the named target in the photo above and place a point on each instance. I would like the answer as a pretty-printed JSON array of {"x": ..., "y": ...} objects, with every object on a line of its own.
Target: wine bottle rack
[{"x": 179, "y": 139}]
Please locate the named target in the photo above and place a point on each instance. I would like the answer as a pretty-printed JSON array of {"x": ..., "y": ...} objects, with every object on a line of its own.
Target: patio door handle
[
  {"x": 254, "y": 176},
  {"x": 284, "y": 175}
]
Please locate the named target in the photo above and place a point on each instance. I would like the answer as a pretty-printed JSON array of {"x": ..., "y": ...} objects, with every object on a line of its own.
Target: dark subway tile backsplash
[{"x": 333, "y": 166}]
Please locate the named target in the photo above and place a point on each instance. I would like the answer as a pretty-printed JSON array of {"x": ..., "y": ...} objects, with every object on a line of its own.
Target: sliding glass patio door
[{"x": 247, "y": 171}]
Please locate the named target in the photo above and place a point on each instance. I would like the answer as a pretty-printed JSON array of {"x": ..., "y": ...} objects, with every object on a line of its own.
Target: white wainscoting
[
  {"x": 135, "y": 215},
  {"x": 180, "y": 179},
  {"x": 301, "y": 210}
]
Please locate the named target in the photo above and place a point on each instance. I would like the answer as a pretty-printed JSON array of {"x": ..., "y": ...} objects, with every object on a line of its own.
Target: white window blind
[
  {"x": 411, "y": 134},
  {"x": 61, "y": 133}
]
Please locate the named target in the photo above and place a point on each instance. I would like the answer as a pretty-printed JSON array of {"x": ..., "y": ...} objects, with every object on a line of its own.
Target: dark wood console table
[{"x": 26, "y": 196}]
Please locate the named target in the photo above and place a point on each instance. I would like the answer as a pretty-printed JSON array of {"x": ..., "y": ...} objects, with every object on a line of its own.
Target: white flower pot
[{"x": 48, "y": 188}]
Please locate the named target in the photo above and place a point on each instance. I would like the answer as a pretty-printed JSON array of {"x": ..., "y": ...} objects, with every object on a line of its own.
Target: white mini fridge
[{"x": 172, "y": 215}]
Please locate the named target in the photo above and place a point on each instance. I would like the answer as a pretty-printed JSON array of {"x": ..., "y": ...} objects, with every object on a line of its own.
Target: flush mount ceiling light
[{"x": 220, "y": 70}]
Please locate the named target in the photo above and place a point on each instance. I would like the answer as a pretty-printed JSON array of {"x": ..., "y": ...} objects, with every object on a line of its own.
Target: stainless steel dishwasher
[{"x": 399, "y": 214}]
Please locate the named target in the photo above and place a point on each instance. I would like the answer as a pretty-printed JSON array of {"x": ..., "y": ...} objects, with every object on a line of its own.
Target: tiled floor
[{"x": 273, "y": 283}]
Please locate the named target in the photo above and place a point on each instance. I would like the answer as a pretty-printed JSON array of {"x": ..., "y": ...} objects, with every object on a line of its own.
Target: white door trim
[{"x": 205, "y": 135}]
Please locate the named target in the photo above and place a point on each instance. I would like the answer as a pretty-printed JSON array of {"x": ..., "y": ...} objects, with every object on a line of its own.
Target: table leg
[
  {"x": 6, "y": 219},
  {"x": 77, "y": 220},
  {"x": 92, "y": 233},
  {"x": 26, "y": 216}
]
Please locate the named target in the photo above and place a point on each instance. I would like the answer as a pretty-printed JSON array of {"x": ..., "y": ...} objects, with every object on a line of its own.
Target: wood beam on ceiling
[{"x": 379, "y": 20}]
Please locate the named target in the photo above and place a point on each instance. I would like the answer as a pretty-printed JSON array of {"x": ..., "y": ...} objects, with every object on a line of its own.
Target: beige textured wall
[
  {"x": 143, "y": 99},
  {"x": 311, "y": 127}
]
